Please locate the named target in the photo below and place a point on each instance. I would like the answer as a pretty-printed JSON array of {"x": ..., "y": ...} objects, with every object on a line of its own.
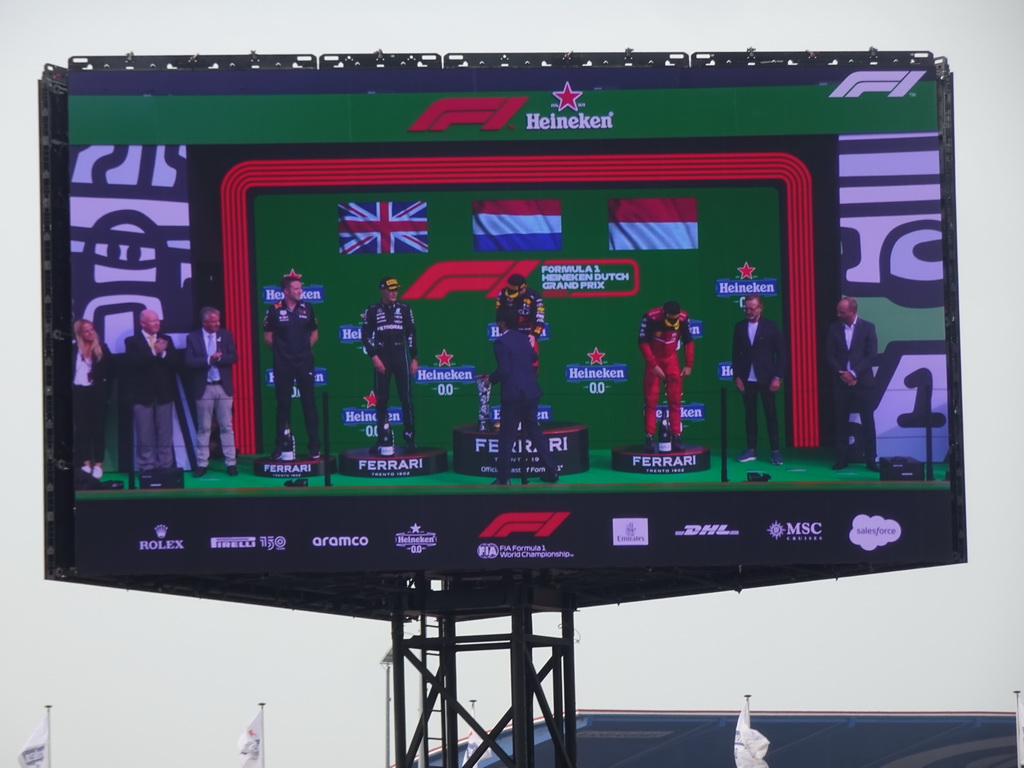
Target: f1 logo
[
  {"x": 540, "y": 524},
  {"x": 491, "y": 113},
  {"x": 896, "y": 84},
  {"x": 443, "y": 277}
]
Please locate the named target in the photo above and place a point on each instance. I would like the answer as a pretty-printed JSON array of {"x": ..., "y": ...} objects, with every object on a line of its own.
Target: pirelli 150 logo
[{"x": 533, "y": 525}]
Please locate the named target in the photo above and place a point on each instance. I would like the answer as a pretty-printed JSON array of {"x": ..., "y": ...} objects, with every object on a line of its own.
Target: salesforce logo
[{"x": 869, "y": 532}]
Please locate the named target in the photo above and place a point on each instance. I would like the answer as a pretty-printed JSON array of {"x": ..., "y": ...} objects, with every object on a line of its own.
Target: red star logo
[
  {"x": 596, "y": 357},
  {"x": 567, "y": 97},
  {"x": 746, "y": 271},
  {"x": 371, "y": 399},
  {"x": 293, "y": 273},
  {"x": 444, "y": 358}
]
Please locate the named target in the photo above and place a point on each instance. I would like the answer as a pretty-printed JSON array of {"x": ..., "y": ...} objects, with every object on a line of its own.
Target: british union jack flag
[{"x": 386, "y": 227}]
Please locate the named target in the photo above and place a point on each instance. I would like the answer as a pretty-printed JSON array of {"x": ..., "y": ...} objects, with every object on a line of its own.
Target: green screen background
[{"x": 736, "y": 224}]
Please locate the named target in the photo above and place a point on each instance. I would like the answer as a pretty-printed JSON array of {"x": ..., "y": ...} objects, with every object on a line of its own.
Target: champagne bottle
[
  {"x": 387, "y": 441},
  {"x": 664, "y": 437},
  {"x": 288, "y": 454}
]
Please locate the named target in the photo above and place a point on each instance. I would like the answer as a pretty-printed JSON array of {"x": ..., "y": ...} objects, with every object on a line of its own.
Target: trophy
[{"x": 483, "y": 391}]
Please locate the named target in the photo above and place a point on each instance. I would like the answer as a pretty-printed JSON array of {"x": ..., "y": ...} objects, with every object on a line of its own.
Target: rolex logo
[{"x": 160, "y": 530}]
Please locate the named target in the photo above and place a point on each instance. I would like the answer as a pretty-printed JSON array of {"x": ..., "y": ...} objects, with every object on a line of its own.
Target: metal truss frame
[{"x": 433, "y": 656}]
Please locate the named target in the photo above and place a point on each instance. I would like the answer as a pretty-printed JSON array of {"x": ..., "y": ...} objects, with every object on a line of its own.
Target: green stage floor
[{"x": 803, "y": 467}]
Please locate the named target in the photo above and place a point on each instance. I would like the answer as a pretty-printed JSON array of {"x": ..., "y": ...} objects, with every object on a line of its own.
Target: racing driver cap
[{"x": 389, "y": 284}]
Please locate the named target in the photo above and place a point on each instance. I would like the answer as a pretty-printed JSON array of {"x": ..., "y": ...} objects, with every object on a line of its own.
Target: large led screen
[{"x": 648, "y": 211}]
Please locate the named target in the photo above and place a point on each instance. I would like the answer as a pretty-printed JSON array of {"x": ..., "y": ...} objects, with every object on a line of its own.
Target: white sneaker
[{"x": 97, "y": 471}]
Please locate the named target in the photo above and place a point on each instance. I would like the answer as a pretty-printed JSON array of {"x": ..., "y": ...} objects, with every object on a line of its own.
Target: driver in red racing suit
[{"x": 663, "y": 330}]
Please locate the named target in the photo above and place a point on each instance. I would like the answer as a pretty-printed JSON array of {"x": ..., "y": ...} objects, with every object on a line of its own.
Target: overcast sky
[{"x": 147, "y": 680}]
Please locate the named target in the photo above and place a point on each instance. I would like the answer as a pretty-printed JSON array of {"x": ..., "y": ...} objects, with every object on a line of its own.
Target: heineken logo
[
  {"x": 458, "y": 374},
  {"x": 576, "y": 120},
  {"x": 314, "y": 294},
  {"x": 578, "y": 373},
  {"x": 357, "y": 417},
  {"x": 767, "y": 286}
]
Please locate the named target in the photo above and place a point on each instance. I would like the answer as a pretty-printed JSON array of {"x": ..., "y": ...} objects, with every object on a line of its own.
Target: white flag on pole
[
  {"x": 1020, "y": 731},
  {"x": 473, "y": 743},
  {"x": 250, "y": 744},
  {"x": 36, "y": 752},
  {"x": 750, "y": 746}
]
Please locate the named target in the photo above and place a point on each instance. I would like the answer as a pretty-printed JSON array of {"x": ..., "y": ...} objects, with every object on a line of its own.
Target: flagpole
[
  {"x": 263, "y": 736},
  {"x": 49, "y": 748},
  {"x": 1016, "y": 719}
]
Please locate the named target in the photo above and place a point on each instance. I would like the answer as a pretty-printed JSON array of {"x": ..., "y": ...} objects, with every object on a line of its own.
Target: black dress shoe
[
  {"x": 233, "y": 470},
  {"x": 840, "y": 465},
  {"x": 500, "y": 482},
  {"x": 549, "y": 477},
  {"x": 873, "y": 466},
  {"x": 198, "y": 471}
]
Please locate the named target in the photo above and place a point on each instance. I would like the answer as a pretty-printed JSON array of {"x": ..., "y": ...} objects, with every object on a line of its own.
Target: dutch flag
[{"x": 517, "y": 225}]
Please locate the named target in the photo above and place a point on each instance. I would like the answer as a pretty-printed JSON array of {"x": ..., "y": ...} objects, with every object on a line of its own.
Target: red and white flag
[{"x": 652, "y": 223}]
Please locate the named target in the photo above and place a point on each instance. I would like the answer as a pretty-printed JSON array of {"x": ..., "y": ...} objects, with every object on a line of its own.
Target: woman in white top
[{"x": 90, "y": 392}]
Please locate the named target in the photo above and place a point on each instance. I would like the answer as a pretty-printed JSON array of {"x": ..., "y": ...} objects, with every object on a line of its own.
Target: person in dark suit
[
  {"x": 758, "y": 363},
  {"x": 291, "y": 330},
  {"x": 520, "y": 395},
  {"x": 90, "y": 392},
  {"x": 851, "y": 350},
  {"x": 209, "y": 355},
  {"x": 150, "y": 362}
]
